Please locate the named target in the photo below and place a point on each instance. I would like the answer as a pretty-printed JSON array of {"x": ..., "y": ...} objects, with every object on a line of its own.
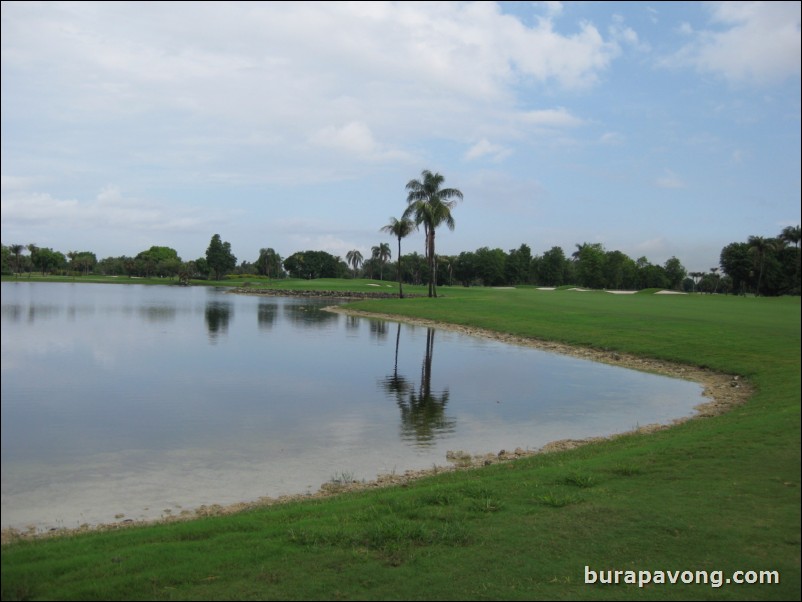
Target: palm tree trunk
[
  {"x": 432, "y": 266},
  {"x": 400, "y": 288}
]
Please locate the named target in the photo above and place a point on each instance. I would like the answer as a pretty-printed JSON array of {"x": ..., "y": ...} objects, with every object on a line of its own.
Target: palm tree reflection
[{"x": 423, "y": 412}]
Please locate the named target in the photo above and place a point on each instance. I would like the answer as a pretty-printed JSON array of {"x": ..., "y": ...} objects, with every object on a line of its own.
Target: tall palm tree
[
  {"x": 16, "y": 249},
  {"x": 382, "y": 253},
  {"x": 354, "y": 259},
  {"x": 431, "y": 206},
  {"x": 759, "y": 246},
  {"x": 791, "y": 235},
  {"x": 400, "y": 228}
]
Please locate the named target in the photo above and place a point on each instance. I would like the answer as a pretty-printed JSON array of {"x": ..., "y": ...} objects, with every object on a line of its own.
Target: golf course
[{"x": 708, "y": 509}]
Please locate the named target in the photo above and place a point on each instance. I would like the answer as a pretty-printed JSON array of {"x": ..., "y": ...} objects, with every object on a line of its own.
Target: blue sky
[{"x": 658, "y": 129}]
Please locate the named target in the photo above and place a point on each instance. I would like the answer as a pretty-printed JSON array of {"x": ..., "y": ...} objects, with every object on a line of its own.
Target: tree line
[
  {"x": 767, "y": 266},
  {"x": 759, "y": 265}
]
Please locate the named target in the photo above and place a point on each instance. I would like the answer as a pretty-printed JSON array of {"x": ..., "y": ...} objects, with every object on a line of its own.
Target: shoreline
[{"x": 722, "y": 392}]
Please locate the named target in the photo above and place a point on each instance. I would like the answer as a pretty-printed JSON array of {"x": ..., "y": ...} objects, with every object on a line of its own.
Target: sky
[{"x": 658, "y": 129}]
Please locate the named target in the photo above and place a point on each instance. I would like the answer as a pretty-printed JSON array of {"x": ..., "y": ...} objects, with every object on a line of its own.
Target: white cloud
[
  {"x": 669, "y": 180},
  {"x": 108, "y": 210},
  {"x": 620, "y": 32},
  {"x": 485, "y": 148},
  {"x": 748, "y": 42},
  {"x": 550, "y": 118},
  {"x": 611, "y": 138},
  {"x": 354, "y": 137}
]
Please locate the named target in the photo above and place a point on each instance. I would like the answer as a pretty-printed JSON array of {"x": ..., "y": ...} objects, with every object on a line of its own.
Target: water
[{"x": 134, "y": 402}]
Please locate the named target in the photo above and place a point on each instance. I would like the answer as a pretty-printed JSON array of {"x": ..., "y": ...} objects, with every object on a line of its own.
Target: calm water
[{"x": 131, "y": 402}]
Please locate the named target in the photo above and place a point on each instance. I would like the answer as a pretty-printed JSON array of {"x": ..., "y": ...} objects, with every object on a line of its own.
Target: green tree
[
  {"x": 269, "y": 263},
  {"x": 675, "y": 272},
  {"x": 791, "y": 235},
  {"x": 736, "y": 263},
  {"x": 219, "y": 258},
  {"x": 518, "y": 265},
  {"x": 354, "y": 259},
  {"x": 381, "y": 253},
  {"x": 47, "y": 260},
  {"x": 16, "y": 250},
  {"x": 431, "y": 205},
  {"x": 553, "y": 267},
  {"x": 490, "y": 266},
  {"x": 314, "y": 264},
  {"x": 760, "y": 247},
  {"x": 400, "y": 228},
  {"x": 82, "y": 261},
  {"x": 590, "y": 260}
]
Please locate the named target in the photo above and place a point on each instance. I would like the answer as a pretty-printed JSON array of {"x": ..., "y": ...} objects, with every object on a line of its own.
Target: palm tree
[
  {"x": 17, "y": 251},
  {"x": 400, "y": 228},
  {"x": 759, "y": 246},
  {"x": 791, "y": 235},
  {"x": 382, "y": 253},
  {"x": 431, "y": 206},
  {"x": 354, "y": 259}
]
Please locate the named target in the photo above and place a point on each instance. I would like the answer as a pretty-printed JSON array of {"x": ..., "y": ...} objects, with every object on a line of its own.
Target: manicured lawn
[{"x": 714, "y": 494}]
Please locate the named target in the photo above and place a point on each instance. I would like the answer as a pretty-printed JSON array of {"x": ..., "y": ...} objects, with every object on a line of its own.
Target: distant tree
[
  {"x": 589, "y": 259},
  {"x": 16, "y": 250},
  {"x": 354, "y": 259},
  {"x": 618, "y": 270},
  {"x": 269, "y": 263},
  {"x": 736, "y": 263},
  {"x": 157, "y": 261},
  {"x": 47, "y": 260},
  {"x": 675, "y": 272},
  {"x": 219, "y": 258},
  {"x": 431, "y": 205},
  {"x": 518, "y": 264},
  {"x": 791, "y": 235},
  {"x": 552, "y": 267},
  {"x": 314, "y": 264},
  {"x": 465, "y": 268},
  {"x": 490, "y": 266},
  {"x": 83, "y": 261},
  {"x": 381, "y": 253},
  {"x": 5, "y": 258},
  {"x": 760, "y": 247},
  {"x": 400, "y": 228}
]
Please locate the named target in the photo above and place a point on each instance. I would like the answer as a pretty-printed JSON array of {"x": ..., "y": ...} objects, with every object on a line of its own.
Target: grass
[{"x": 711, "y": 494}]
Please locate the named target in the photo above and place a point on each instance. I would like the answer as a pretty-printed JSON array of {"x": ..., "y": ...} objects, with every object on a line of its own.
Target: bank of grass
[{"x": 711, "y": 494}]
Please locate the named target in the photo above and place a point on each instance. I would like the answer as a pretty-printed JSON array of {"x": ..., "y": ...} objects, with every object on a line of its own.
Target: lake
[{"x": 131, "y": 402}]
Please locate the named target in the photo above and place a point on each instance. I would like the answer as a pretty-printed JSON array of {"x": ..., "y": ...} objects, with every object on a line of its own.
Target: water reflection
[
  {"x": 218, "y": 315},
  {"x": 212, "y": 409},
  {"x": 423, "y": 412},
  {"x": 158, "y": 313},
  {"x": 266, "y": 314},
  {"x": 308, "y": 315}
]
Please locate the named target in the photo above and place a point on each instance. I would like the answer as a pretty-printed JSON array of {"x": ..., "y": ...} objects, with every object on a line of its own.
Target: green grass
[{"x": 711, "y": 494}]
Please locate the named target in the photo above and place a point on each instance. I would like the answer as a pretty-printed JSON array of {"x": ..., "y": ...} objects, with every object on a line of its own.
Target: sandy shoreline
[{"x": 721, "y": 390}]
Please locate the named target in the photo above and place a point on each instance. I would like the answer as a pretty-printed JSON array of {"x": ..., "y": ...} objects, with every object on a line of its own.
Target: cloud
[
  {"x": 748, "y": 42},
  {"x": 485, "y": 148},
  {"x": 669, "y": 180},
  {"x": 550, "y": 118},
  {"x": 108, "y": 210},
  {"x": 355, "y": 138},
  {"x": 611, "y": 138}
]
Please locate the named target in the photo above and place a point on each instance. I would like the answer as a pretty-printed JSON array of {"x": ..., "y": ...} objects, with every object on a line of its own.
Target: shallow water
[{"x": 133, "y": 402}]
